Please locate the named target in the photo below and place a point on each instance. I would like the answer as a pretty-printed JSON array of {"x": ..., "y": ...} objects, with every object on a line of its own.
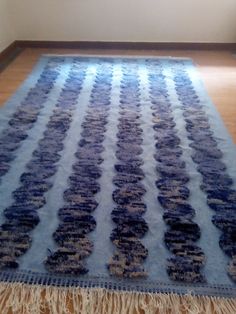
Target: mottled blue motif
[
  {"x": 27, "y": 113},
  {"x": 188, "y": 259},
  {"x": 22, "y": 217},
  {"x": 206, "y": 154},
  {"x": 76, "y": 220},
  {"x": 130, "y": 254}
]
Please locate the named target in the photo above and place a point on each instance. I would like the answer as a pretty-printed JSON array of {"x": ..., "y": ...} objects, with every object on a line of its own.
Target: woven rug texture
[{"x": 117, "y": 173}]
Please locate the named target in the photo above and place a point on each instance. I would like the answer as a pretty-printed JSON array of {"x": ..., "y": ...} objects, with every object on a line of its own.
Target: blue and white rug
[{"x": 117, "y": 173}]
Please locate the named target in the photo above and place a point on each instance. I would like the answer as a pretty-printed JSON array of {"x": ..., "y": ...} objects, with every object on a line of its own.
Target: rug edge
[{"x": 22, "y": 298}]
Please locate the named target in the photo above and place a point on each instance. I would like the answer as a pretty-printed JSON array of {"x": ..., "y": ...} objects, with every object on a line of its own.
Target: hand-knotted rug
[{"x": 117, "y": 178}]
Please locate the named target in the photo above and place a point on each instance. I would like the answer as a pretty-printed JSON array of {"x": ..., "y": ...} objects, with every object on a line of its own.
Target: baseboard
[
  {"x": 9, "y": 54},
  {"x": 126, "y": 45}
]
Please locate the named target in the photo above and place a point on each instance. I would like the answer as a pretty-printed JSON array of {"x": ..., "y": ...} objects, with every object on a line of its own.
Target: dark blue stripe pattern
[
  {"x": 130, "y": 253},
  {"x": 216, "y": 182},
  {"x": 22, "y": 216},
  {"x": 27, "y": 113},
  {"x": 76, "y": 219},
  {"x": 182, "y": 234}
]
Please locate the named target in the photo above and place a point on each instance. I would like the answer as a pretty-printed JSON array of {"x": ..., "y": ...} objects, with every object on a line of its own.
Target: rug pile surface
[{"x": 117, "y": 173}]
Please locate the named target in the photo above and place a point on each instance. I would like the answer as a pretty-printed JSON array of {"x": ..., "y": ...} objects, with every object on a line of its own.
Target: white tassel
[{"x": 18, "y": 298}]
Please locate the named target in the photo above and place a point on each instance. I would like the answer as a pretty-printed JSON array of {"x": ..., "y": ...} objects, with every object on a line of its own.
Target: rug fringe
[{"x": 27, "y": 299}]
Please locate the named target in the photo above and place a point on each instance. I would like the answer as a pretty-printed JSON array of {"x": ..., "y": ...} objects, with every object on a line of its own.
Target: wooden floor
[{"x": 218, "y": 71}]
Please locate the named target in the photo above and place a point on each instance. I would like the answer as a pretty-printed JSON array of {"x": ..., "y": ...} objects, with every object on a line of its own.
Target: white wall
[
  {"x": 7, "y": 34},
  {"x": 118, "y": 20},
  {"x": 126, "y": 20}
]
